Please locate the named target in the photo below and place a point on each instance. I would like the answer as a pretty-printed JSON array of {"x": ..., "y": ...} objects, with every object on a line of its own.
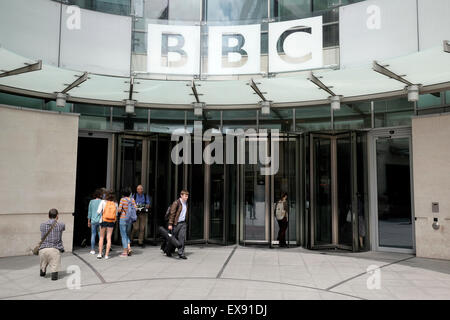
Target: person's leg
[
  {"x": 142, "y": 225},
  {"x": 54, "y": 262},
  {"x": 283, "y": 232},
  {"x": 94, "y": 227},
  {"x": 128, "y": 238},
  {"x": 100, "y": 241},
  {"x": 124, "y": 236},
  {"x": 109, "y": 232},
  {"x": 181, "y": 235},
  {"x": 135, "y": 229},
  {"x": 280, "y": 228},
  {"x": 43, "y": 261}
]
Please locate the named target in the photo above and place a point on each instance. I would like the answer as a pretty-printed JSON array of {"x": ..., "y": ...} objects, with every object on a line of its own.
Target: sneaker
[
  {"x": 123, "y": 255},
  {"x": 99, "y": 256},
  {"x": 92, "y": 252},
  {"x": 182, "y": 256},
  {"x": 106, "y": 257}
]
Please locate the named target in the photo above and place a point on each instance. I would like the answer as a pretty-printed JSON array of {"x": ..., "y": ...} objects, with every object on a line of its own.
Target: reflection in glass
[
  {"x": 394, "y": 193},
  {"x": 235, "y": 10}
]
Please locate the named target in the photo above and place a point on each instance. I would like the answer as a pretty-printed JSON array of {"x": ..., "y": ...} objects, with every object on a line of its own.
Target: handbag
[{"x": 36, "y": 249}]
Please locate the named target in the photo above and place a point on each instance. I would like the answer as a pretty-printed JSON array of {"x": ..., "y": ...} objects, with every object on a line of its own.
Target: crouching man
[{"x": 52, "y": 246}]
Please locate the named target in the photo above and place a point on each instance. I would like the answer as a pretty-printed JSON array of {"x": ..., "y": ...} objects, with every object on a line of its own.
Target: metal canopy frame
[
  {"x": 255, "y": 88},
  {"x": 320, "y": 84},
  {"x": 76, "y": 83},
  {"x": 28, "y": 68},
  {"x": 388, "y": 73}
]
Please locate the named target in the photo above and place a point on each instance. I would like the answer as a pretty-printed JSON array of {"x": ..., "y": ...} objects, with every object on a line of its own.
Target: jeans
[
  {"x": 95, "y": 230},
  {"x": 125, "y": 229}
]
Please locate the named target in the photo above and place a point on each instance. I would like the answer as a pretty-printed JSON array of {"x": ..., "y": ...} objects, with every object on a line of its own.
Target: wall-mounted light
[
  {"x": 198, "y": 108},
  {"x": 435, "y": 224},
  {"x": 61, "y": 100},
  {"x": 265, "y": 107},
  {"x": 335, "y": 102},
  {"x": 129, "y": 106},
  {"x": 413, "y": 93}
]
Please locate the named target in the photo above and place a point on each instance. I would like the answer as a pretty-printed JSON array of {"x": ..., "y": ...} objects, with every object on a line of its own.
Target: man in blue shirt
[{"x": 143, "y": 203}]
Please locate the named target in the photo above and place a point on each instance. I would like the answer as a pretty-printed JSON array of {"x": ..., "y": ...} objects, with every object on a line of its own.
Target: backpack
[
  {"x": 109, "y": 212},
  {"x": 279, "y": 210},
  {"x": 166, "y": 216},
  {"x": 130, "y": 215}
]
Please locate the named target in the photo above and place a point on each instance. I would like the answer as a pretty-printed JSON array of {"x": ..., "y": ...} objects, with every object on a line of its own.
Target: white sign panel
[
  {"x": 234, "y": 49},
  {"x": 296, "y": 45},
  {"x": 377, "y": 29},
  {"x": 173, "y": 49}
]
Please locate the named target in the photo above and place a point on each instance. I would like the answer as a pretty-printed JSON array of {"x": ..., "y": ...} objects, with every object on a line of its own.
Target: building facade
[{"x": 359, "y": 92}]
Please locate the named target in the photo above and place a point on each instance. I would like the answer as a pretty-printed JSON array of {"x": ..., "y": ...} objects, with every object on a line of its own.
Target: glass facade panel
[
  {"x": 235, "y": 10},
  {"x": 391, "y": 113},
  {"x": 121, "y": 7}
]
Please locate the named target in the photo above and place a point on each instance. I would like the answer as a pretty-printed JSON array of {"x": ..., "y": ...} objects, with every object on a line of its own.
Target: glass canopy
[{"x": 426, "y": 68}]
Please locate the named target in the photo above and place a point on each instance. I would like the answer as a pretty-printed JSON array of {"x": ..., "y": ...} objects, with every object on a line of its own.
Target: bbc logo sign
[{"x": 293, "y": 45}]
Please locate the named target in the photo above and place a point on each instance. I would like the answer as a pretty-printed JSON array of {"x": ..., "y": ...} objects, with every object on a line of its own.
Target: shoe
[
  {"x": 42, "y": 273},
  {"x": 123, "y": 255},
  {"x": 106, "y": 257},
  {"x": 130, "y": 252},
  {"x": 92, "y": 252},
  {"x": 182, "y": 257},
  {"x": 54, "y": 275},
  {"x": 99, "y": 256}
]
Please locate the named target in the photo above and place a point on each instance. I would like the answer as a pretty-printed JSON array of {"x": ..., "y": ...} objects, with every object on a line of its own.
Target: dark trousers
[
  {"x": 282, "y": 224},
  {"x": 179, "y": 232}
]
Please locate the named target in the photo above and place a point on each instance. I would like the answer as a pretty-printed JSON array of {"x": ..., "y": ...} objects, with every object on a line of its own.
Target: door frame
[
  {"x": 334, "y": 137},
  {"x": 373, "y": 136}
]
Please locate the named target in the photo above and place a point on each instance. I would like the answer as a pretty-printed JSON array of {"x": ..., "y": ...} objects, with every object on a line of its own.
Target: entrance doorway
[
  {"x": 392, "y": 207},
  {"x": 335, "y": 210},
  {"x": 92, "y": 173}
]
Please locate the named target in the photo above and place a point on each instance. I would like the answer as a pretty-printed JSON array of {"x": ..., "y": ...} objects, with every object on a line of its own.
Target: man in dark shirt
[{"x": 51, "y": 248}]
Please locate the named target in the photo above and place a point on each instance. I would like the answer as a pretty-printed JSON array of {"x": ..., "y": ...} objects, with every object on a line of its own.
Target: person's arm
[
  {"x": 90, "y": 210},
  {"x": 121, "y": 204},
  {"x": 173, "y": 212}
]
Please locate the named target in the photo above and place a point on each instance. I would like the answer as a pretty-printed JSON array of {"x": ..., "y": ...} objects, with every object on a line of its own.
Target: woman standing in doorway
[{"x": 124, "y": 223}]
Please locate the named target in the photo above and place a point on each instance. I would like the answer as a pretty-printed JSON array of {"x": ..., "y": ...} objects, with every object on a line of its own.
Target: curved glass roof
[{"x": 427, "y": 68}]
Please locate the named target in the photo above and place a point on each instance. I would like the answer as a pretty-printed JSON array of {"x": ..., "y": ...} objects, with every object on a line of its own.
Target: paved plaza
[{"x": 231, "y": 273}]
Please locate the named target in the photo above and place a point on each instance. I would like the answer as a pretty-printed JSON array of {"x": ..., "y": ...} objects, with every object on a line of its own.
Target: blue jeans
[
  {"x": 95, "y": 230},
  {"x": 125, "y": 229}
]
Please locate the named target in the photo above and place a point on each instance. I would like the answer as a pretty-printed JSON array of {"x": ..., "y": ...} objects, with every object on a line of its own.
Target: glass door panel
[
  {"x": 322, "y": 191},
  {"x": 395, "y": 227},
  {"x": 344, "y": 191},
  {"x": 217, "y": 210}
]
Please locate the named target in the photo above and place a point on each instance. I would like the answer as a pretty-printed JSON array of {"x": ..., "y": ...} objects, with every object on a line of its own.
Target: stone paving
[{"x": 231, "y": 273}]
